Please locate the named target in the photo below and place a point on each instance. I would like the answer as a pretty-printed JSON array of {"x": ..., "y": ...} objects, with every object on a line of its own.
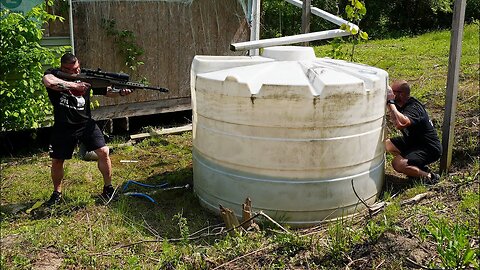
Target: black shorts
[
  {"x": 416, "y": 155},
  {"x": 64, "y": 138}
]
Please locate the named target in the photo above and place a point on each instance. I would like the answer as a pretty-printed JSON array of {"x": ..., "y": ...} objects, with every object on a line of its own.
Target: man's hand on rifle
[
  {"x": 125, "y": 92},
  {"x": 112, "y": 92},
  {"x": 79, "y": 88}
]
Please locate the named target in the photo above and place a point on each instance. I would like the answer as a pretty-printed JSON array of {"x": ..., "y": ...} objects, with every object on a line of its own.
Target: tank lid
[{"x": 289, "y": 53}]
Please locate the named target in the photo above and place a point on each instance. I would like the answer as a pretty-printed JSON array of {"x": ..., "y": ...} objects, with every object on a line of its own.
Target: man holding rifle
[
  {"x": 73, "y": 123},
  {"x": 419, "y": 145}
]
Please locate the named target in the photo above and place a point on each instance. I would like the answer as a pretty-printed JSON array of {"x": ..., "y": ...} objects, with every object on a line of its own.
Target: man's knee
[
  {"x": 57, "y": 163},
  {"x": 399, "y": 163},
  {"x": 391, "y": 148},
  {"x": 102, "y": 152}
]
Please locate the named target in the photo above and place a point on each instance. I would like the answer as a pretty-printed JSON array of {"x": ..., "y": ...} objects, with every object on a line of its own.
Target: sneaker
[
  {"x": 434, "y": 178},
  {"x": 54, "y": 199},
  {"x": 425, "y": 169},
  {"x": 108, "y": 192}
]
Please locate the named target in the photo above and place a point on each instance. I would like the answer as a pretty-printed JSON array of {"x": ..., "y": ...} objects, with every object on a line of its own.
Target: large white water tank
[{"x": 288, "y": 130}]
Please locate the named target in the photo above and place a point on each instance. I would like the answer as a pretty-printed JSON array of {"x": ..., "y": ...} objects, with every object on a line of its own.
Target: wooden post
[
  {"x": 229, "y": 218},
  {"x": 306, "y": 11},
  {"x": 107, "y": 126},
  {"x": 452, "y": 84},
  {"x": 123, "y": 123},
  {"x": 247, "y": 213}
]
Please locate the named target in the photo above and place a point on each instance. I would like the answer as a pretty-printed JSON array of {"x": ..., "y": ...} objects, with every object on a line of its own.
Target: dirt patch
[
  {"x": 403, "y": 246},
  {"x": 48, "y": 259},
  {"x": 378, "y": 255},
  {"x": 9, "y": 241}
]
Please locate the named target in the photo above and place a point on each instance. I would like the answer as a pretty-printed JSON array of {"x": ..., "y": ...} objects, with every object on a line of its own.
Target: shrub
[{"x": 23, "y": 97}]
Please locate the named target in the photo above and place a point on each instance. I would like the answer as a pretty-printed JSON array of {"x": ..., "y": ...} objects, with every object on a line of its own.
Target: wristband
[{"x": 391, "y": 101}]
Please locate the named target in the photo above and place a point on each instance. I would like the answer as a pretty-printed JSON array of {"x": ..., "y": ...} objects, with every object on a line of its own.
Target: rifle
[{"x": 101, "y": 79}]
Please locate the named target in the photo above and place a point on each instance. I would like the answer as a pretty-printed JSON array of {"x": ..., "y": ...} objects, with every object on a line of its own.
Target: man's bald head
[{"x": 401, "y": 86}]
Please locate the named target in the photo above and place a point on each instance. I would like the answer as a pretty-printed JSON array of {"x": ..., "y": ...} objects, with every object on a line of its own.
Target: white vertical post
[
  {"x": 452, "y": 84},
  {"x": 255, "y": 25},
  {"x": 70, "y": 18}
]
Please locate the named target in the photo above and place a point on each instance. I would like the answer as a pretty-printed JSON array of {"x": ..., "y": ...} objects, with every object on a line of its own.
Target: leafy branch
[
  {"x": 126, "y": 41},
  {"x": 355, "y": 11}
]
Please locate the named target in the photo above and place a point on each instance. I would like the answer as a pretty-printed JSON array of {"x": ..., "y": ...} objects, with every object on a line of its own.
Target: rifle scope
[{"x": 108, "y": 75}]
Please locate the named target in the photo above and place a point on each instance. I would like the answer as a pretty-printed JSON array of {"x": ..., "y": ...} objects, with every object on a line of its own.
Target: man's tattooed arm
[
  {"x": 57, "y": 84},
  {"x": 61, "y": 86}
]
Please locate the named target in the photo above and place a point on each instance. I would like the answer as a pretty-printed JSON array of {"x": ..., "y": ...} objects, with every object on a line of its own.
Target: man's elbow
[
  {"x": 47, "y": 82},
  {"x": 399, "y": 126}
]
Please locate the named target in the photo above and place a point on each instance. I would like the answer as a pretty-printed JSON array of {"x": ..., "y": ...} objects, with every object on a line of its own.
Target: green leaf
[
  {"x": 349, "y": 11},
  {"x": 363, "y": 35},
  {"x": 359, "y": 5},
  {"x": 468, "y": 257},
  {"x": 362, "y": 11}
]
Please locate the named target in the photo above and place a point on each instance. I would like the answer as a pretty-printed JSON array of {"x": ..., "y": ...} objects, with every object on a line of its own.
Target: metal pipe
[
  {"x": 248, "y": 45},
  {"x": 323, "y": 14},
  {"x": 255, "y": 25},
  {"x": 255, "y": 44},
  {"x": 70, "y": 17}
]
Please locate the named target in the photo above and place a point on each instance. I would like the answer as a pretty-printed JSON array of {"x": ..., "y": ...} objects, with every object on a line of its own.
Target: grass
[{"x": 133, "y": 233}]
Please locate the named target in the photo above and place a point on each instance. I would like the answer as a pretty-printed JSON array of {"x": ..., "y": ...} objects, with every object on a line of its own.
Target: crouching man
[{"x": 419, "y": 144}]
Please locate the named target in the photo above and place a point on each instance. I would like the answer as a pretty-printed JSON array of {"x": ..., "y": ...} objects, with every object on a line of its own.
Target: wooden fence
[{"x": 171, "y": 33}]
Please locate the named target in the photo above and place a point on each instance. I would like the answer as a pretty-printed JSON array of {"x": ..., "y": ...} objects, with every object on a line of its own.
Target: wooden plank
[
  {"x": 164, "y": 131},
  {"x": 141, "y": 108},
  {"x": 452, "y": 84},
  {"x": 55, "y": 41}
]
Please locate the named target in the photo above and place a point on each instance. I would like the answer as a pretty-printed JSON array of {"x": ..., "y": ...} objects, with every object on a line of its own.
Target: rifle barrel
[
  {"x": 143, "y": 86},
  {"x": 161, "y": 89}
]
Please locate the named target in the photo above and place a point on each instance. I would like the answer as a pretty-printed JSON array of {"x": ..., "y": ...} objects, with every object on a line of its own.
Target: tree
[{"x": 23, "y": 98}]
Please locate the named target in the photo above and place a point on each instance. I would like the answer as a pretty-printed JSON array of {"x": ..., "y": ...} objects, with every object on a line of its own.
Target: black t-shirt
[
  {"x": 421, "y": 132},
  {"x": 68, "y": 108}
]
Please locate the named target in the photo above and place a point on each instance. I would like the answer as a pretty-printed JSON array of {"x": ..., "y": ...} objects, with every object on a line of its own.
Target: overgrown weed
[{"x": 453, "y": 243}]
